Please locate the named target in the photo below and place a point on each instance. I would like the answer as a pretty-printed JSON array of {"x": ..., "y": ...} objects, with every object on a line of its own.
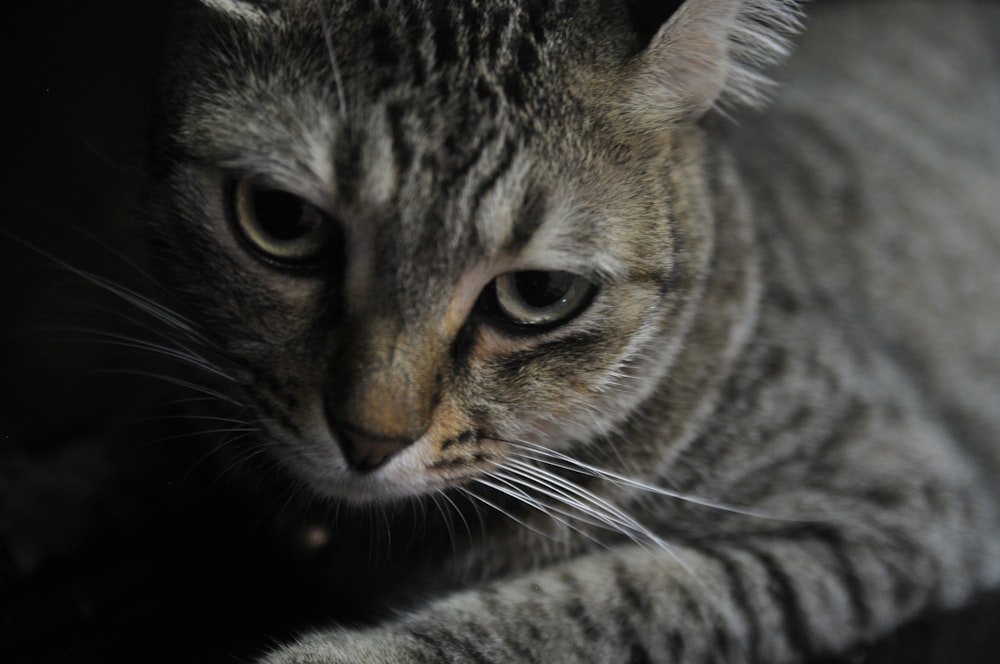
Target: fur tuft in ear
[
  {"x": 244, "y": 10},
  {"x": 710, "y": 53}
]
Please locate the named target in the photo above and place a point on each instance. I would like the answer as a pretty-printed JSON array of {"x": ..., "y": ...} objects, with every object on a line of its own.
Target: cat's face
[{"x": 420, "y": 236}]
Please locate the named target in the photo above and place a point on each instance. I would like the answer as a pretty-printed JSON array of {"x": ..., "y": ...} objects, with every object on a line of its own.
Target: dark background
[{"x": 117, "y": 541}]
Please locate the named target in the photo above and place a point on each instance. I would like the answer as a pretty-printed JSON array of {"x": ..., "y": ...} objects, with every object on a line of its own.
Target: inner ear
[{"x": 647, "y": 16}]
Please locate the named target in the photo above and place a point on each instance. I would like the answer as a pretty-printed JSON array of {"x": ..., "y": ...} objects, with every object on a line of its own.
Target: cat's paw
[{"x": 351, "y": 647}]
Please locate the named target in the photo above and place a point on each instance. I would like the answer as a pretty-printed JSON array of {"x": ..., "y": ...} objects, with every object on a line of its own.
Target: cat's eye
[
  {"x": 279, "y": 224},
  {"x": 540, "y": 298}
]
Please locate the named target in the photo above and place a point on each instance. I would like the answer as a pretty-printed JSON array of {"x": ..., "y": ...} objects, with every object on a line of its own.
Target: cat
[{"x": 635, "y": 356}]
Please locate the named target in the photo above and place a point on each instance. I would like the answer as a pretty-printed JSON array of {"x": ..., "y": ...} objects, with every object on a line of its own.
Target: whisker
[
  {"x": 559, "y": 460},
  {"x": 119, "y": 340},
  {"x": 173, "y": 380},
  {"x": 612, "y": 518},
  {"x": 501, "y": 510},
  {"x": 565, "y": 487},
  {"x": 577, "y": 510},
  {"x": 205, "y": 432},
  {"x": 448, "y": 520},
  {"x": 139, "y": 301}
]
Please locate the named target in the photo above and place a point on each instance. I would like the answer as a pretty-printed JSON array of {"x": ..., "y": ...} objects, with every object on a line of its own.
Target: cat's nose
[{"x": 365, "y": 451}]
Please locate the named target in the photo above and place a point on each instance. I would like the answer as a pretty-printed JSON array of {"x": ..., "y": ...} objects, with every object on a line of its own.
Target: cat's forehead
[{"x": 458, "y": 57}]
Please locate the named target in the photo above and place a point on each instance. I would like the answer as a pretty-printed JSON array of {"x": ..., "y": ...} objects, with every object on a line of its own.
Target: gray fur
[{"x": 773, "y": 432}]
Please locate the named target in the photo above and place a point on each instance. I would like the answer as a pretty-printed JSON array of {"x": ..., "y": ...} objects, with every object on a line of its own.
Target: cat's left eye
[
  {"x": 279, "y": 224},
  {"x": 540, "y": 298}
]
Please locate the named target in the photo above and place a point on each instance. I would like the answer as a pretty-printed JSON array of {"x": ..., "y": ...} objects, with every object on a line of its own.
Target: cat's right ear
[
  {"x": 709, "y": 53},
  {"x": 244, "y": 10}
]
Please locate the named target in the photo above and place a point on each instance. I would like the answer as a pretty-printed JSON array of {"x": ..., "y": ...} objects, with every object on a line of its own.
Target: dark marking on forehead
[
  {"x": 458, "y": 145},
  {"x": 528, "y": 57},
  {"x": 401, "y": 149},
  {"x": 347, "y": 164},
  {"x": 385, "y": 48},
  {"x": 495, "y": 38},
  {"x": 513, "y": 87},
  {"x": 528, "y": 220},
  {"x": 487, "y": 184},
  {"x": 446, "y": 51}
]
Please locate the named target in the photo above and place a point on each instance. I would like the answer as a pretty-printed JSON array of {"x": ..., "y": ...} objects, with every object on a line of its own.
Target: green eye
[
  {"x": 281, "y": 225},
  {"x": 541, "y": 298}
]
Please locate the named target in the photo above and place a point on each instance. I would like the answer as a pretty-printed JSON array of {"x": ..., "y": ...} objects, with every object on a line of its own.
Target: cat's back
[{"x": 877, "y": 168}]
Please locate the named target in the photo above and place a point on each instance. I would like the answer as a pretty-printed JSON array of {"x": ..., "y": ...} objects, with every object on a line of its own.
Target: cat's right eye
[{"x": 280, "y": 225}]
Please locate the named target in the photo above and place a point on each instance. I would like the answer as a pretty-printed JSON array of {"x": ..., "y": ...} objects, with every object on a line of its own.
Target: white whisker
[
  {"x": 173, "y": 380},
  {"x": 559, "y": 460},
  {"x": 549, "y": 510},
  {"x": 507, "y": 492}
]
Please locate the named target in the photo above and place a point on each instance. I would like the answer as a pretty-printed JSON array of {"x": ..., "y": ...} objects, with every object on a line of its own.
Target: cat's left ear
[{"x": 709, "y": 53}]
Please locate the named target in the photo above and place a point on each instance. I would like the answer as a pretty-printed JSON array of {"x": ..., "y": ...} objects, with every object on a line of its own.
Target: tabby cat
[{"x": 593, "y": 356}]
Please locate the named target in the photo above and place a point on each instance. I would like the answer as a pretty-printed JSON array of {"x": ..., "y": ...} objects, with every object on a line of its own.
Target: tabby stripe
[
  {"x": 461, "y": 348},
  {"x": 569, "y": 346},
  {"x": 786, "y": 596},
  {"x": 346, "y": 157},
  {"x": 624, "y": 616},
  {"x": 479, "y": 633},
  {"x": 633, "y": 598},
  {"x": 445, "y": 37},
  {"x": 421, "y": 68},
  {"x": 842, "y": 433},
  {"x": 402, "y": 151},
  {"x": 490, "y": 181},
  {"x": 736, "y": 583},
  {"x": 499, "y": 26},
  {"x": 434, "y": 643},
  {"x": 575, "y": 608},
  {"x": 638, "y": 655},
  {"x": 906, "y": 587},
  {"x": 675, "y": 638},
  {"x": 450, "y": 641},
  {"x": 385, "y": 47},
  {"x": 491, "y": 603},
  {"x": 527, "y": 221},
  {"x": 830, "y": 538},
  {"x": 853, "y": 415},
  {"x": 535, "y": 17},
  {"x": 514, "y": 80},
  {"x": 847, "y": 573},
  {"x": 475, "y": 155},
  {"x": 676, "y": 646},
  {"x": 636, "y": 607}
]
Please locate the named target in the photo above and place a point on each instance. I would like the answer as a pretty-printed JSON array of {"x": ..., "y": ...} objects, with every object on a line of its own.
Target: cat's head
[{"x": 429, "y": 234}]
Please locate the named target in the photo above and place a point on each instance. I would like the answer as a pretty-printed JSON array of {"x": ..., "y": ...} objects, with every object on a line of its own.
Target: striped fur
[{"x": 770, "y": 435}]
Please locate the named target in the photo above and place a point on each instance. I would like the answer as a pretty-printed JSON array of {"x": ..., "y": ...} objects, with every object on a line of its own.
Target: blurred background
[{"x": 116, "y": 545}]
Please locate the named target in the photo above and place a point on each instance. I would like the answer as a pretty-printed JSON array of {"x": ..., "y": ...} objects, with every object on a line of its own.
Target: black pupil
[
  {"x": 283, "y": 216},
  {"x": 543, "y": 289}
]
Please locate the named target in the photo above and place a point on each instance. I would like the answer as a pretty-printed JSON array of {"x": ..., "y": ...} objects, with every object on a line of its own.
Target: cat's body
[{"x": 789, "y": 317}]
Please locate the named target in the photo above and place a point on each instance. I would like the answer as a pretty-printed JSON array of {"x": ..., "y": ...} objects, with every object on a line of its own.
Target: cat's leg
[{"x": 908, "y": 532}]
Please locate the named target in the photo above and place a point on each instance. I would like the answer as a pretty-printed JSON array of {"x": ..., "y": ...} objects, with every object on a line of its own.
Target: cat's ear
[
  {"x": 710, "y": 53},
  {"x": 244, "y": 10}
]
